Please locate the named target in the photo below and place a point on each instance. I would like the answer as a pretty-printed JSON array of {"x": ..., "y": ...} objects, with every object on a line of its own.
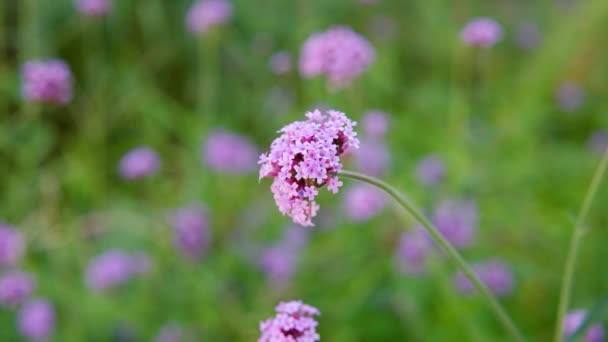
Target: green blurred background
[{"x": 141, "y": 78}]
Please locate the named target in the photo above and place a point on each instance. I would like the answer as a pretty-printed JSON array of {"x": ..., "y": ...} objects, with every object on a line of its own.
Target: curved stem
[
  {"x": 579, "y": 232},
  {"x": 503, "y": 317}
]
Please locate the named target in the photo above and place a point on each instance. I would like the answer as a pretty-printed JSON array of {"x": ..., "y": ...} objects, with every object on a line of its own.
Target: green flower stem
[
  {"x": 503, "y": 317},
  {"x": 579, "y": 232}
]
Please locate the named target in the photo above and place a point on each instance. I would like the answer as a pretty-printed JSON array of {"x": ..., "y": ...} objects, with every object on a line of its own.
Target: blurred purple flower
[
  {"x": 528, "y": 36},
  {"x": 114, "y": 267},
  {"x": 598, "y": 141},
  {"x": 191, "y": 231},
  {"x": 293, "y": 322},
  {"x": 93, "y": 8},
  {"x": 279, "y": 261},
  {"x": 363, "y": 201},
  {"x": 375, "y": 123},
  {"x": 12, "y": 245},
  {"x": 170, "y": 333},
  {"x": 573, "y": 321},
  {"x": 15, "y": 287},
  {"x": 338, "y": 53},
  {"x": 230, "y": 152},
  {"x": 481, "y": 31},
  {"x": 206, "y": 14},
  {"x": 430, "y": 170},
  {"x": 47, "y": 81},
  {"x": 372, "y": 157},
  {"x": 570, "y": 96},
  {"x": 138, "y": 163},
  {"x": 281, "y": 63},
  {"x": 413, "y": 249},
  {"x": 495, "y": 274},
  {"x": 457, "y": 221},
  {"x": 36, "y": 320}
]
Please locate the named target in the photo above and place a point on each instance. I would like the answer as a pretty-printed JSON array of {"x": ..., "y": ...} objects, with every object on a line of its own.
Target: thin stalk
[
  {"x": 501, "y": 314},
  {"x": 579, "y": 232}
]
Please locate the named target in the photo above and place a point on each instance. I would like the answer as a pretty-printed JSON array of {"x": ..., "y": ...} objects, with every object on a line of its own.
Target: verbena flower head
[
  {"x": 191, "y": 231},
  {"x": 47, "y": 81},
  {"x": 138, "y": 163},
  {"x": 294, "y": 322},
  {"x": 495, "y": 274},
  {"x": 15, "y": 287},
  {"x": 281, "y": 62},
  {"x": 93, "y": 8},
  {"x": 12, "y": 245},
  {"x": 373, "y": 158},
  {"x": 484, "y": 32},
  {"x": 413, "y": 249},
  {"x": 36, "y": 319},
  {"x": 528, "y": 36},
  {"x": 598, "y": 141},
  {"x": 573, "y": 321},
  {"x": 279, "y": 261},
  {"x": 457, "y": 220},
  {"x": 170, "y": 333},
  {"x": 363, "y": 201},
  {"x": 206, "y": 14},
  {"x": 430, "y": 170},
  {"x": 114, "y": 267},
  {"x": 305, "y": 158},
  {"x": 229, "y": 152},
  {"x": 340, "y": 54},
  {"x": 570, "y": 96},
  {"x": 375, "y": 123}
]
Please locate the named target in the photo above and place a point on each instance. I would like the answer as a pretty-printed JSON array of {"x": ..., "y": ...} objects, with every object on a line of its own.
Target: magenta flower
[
  {"x": 430, "y": 170},
  {"x": 279, "y": 262},
  {"x": 12, "y": 245},
  {"x": 573, "y": 321},
  {"x": 412, "y": 252},
  {"x": 15, "y": 287},
  {"x": 138, "y": 163},
  {"x": 113, "y": 268},
  {"x": 229, "y": 152},
  {"x": 363, "y": 201},
  {"x": 280, "y": 63},
  {"x": 47, "y": 81},
  {"x": 484, "y": 32},
  {"x": 375, "y": 123},
  {"x": 457, "y": 221},
  {"x": 339, "y": 53},
  {"x": 598, "y": 141},
  {"x": 93, "y": 8},
  {"x": 294, "y": 322},
  {"x": 373, "y": 158},
  {"x": 207, "y": 14},
  {"x": 191, "y": 231},
  {"x": 305, "y": 158},
  {"x": 36, "y": 320},
  {"x": 170, "y": 333},
  {"x": 570, "y": 96},
  {"x": 495, "y": 274}
]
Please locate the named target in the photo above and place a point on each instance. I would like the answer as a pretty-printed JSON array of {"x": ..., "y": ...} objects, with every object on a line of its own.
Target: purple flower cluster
[
  {"x": 114, "y": 267},
  {"x": 305, "y": 158},
  {"x": 483, "y": 32},
  {"x": 36, "y": 319},
  {"x": 457, "y": 221},
  {"x": 338, "y": 53},
  {"x": 12, "y": 246},
  {"x": 574, "y": 320},
  {"x": 375, "y": 124},
  {"x": 281, "y": 63},
  {"x": 495, "y": 274},
  {"x": 373, "y": 157},
  {"x": 47, "y": 81},
  {"x": 138, "y": 163},
  {"x": 430, "y": 170},
  {"x": 294, "y": 322},
  {"x": 279, "y": 261},
  {"x": 229, "y": 152},
  {"x": 170, "y": 333},
  {"x": 206, "y": 14},
  {"x": 598, "y": 141},
  {"x": 570, "y": 96},
  {"x": 413, "y": 249},
  {"x": 15, "y": 288},
  {"x": 528, "y": 36},
  {"x": 93, "y": 8},
  {"x": 363, "y": 201},
  {"x": 191, "y": 231}
]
